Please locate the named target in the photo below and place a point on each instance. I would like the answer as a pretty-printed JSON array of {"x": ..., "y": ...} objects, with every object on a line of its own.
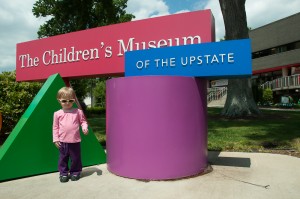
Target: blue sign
[{"x": 209, "y": 60}]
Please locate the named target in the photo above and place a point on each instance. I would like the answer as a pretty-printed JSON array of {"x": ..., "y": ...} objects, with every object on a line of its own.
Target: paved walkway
[
  {"x": 280, "y": 109},
  {"x": 262, "y": 108},
  {"x": 234, "y": 176}
]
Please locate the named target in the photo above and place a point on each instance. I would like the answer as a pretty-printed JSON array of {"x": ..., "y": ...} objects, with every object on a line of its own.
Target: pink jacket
[{"x": 66, "y": 125}]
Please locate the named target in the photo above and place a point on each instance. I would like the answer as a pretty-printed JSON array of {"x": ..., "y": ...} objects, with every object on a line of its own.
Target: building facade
[{"x": 276, "y": 56}]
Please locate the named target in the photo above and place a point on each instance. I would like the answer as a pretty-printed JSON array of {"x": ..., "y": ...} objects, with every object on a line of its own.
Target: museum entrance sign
[
  {"x": 100, "y": 51},
  {"x": 208, "y": 60}
]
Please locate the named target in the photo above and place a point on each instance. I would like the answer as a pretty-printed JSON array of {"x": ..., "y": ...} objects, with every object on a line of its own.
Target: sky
[{"x": 17, "y": 23}]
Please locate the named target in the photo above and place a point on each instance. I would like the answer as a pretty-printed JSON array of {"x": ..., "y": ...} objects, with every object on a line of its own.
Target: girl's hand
[
  {"x": 57, "y": 144},
  {"x": 85, "y": 131}
]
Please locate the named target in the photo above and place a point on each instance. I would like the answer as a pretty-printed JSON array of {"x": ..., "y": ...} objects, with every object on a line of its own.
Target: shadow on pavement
[
  {"x": 215, "y": 159},
  {"x": 90, "y": 171}
]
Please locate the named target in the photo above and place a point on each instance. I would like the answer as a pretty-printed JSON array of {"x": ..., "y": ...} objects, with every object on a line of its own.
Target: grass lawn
[
  {"x": 274, "y": 131},
  {"x": 98, "y": 125}
]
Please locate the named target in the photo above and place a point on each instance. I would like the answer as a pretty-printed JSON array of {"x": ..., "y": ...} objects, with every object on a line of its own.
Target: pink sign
[{"x": 100, "y": 51}]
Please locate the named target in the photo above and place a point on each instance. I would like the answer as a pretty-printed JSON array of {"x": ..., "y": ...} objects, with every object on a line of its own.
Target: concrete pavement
[{"x": 234, "y": 175}]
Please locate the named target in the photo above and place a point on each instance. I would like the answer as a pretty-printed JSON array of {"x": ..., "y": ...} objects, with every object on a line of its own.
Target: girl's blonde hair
[{"x": 66, "y": 93}]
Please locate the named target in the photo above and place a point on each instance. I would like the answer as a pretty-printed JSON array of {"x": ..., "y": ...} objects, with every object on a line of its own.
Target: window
[{"x": 276, "y": 50}]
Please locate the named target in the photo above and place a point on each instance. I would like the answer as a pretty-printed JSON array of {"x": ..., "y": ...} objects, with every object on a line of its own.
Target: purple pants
[{"x": 69, "y": 151}]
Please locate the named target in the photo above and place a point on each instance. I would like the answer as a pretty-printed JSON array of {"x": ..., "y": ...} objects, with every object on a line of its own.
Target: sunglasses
[{"x": 65, "y": 101}]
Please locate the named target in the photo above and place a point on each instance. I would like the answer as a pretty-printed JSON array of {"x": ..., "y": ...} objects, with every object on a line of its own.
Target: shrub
[
  {"x": 15, "y": 97},
  {"x": 267, "y": 96},
  {"x": 297, "y": 106},
  {"x": 95, "y": 110}
]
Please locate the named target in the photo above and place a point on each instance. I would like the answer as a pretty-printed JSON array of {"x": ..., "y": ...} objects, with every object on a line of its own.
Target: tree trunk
[{"x": 240, "y": 101}]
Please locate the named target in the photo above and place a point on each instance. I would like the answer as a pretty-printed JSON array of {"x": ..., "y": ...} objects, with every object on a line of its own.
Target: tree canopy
[{"x": 73, "y": 15}]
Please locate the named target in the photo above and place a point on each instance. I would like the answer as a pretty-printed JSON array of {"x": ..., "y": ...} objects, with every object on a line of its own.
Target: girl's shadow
[{"x": 90, "y": 171}]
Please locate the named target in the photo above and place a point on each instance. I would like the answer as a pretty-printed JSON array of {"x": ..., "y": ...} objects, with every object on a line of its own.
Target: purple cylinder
[{"x": 156, "y": 127}]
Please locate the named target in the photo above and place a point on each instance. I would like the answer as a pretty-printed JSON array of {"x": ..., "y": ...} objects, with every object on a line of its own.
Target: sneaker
[
  {"x": 63, "y": 178},
  {"x": 75, "y": 177}
]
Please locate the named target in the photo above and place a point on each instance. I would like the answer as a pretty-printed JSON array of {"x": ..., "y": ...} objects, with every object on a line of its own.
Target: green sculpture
[{"x": 29, "y": 149}]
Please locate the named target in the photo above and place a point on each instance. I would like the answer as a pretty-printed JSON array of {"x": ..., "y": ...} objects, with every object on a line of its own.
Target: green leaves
[
  {"x": 15, "y": 97},
  {"x": 72, "y": 15},
  {"x": 100, "y": 92},
  {"x": 268, "y": 95}
]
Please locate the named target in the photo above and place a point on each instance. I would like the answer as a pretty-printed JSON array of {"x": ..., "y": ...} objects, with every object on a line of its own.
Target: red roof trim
[{"x": 255, "y": 72}]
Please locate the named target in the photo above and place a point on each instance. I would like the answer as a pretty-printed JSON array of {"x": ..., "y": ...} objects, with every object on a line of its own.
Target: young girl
[{"x": 66, "y": 135}]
